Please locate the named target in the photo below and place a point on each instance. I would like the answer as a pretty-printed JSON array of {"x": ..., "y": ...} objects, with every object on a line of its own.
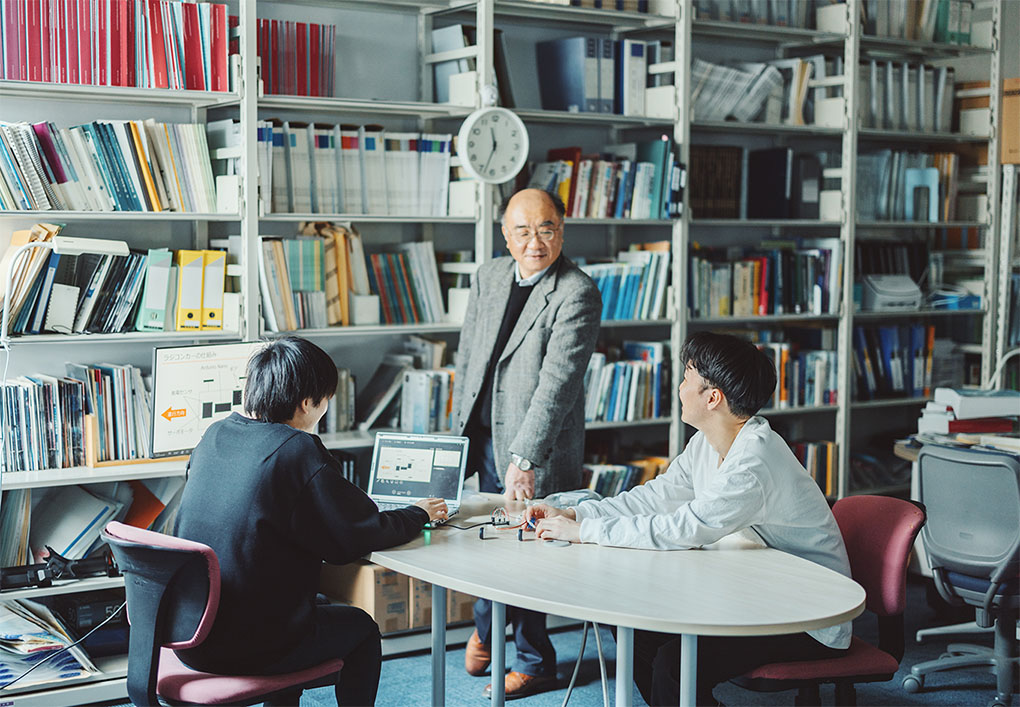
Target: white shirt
[
  {"x": 760, "y": 485},
  {"x": 528, "y": 281}
]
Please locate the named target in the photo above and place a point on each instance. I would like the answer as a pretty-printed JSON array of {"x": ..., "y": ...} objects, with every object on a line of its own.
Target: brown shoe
[
  {"x": 521, "y": 685},
  {"x": 477, "y": 656}
]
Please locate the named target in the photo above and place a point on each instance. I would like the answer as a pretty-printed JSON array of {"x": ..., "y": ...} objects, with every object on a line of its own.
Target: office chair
[
  {"x": 173, "y": 591},
  {"x": 879, "y": 532},
  {"x": 973, "y": 540}
]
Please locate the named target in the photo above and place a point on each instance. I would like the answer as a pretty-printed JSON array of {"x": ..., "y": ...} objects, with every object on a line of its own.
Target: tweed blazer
[{"x": 538, "y": 381}]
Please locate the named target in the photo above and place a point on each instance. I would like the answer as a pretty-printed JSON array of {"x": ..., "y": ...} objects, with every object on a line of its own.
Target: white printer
[{"x": 890, "y": 293}]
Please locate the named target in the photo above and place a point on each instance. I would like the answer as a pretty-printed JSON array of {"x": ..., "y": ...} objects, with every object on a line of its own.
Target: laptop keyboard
[{"x": 389, "y": 506}]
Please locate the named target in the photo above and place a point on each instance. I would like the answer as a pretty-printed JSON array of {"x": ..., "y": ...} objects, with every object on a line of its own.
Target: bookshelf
[{"x": 387, "y": 79}]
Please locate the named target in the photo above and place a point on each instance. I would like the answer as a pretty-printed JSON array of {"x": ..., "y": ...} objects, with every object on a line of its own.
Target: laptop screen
[{"x": 417, "y": 466}]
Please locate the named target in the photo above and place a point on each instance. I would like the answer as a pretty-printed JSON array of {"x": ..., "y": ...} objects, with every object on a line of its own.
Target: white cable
[
  {"x": 577, "y": 665},
  {"x": 993, "y": 380},
  {"x": 602, "y": 665}
]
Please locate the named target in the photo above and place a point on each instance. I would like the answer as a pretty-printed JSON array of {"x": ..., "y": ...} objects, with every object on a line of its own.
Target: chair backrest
[
  {"x": 973, "y": 502},
  {"x": 879, "y": 532},
  {"x": 173, "y": 590}
]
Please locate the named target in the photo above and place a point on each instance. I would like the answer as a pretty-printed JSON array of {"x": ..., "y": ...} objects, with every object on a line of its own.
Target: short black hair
[
  {"x": 282, "y": 374},
  {"x": 554, "y": 199},
  {"x": 738, "y": 368}
]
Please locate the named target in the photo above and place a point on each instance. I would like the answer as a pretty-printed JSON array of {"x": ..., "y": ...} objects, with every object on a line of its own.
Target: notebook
[{"x": 409, "y": 467}]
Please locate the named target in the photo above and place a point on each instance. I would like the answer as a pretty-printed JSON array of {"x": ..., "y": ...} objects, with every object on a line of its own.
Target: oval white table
[{"x": 733, "y": 588}]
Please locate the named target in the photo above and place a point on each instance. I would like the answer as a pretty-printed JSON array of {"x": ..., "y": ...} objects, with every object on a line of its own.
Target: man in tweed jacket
[{"x": 531, "y": 324}]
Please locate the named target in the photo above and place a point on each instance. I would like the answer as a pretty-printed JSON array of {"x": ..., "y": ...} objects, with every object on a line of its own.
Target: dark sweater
[
  {"x": 518, "y": 298},
  {"x": 271, "y": 502}
]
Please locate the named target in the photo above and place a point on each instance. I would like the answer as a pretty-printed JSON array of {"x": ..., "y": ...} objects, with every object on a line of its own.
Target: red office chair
[
  {"x": 173, "y": 591},
  {"x": 879, "y": 532}
]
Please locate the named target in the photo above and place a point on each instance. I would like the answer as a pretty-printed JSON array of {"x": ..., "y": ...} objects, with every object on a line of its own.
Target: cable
[
  {"x": 57, "y": 652},
  {"x": 993, "y": 380},
  {"x": 577, "y": 665}
]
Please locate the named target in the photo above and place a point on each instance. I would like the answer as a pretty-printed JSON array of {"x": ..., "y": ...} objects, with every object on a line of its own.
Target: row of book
[
  {"x": 948, "y": 21},
  {"x": 634, "y": 286},
  {"x": 296, "y": 58},
  {"x": 410, "y": 389},
  {"x": 631, "y": 388},
  {"x": 821, "y": 462},
  {"x": 103, "y": 293},
  {"x": 612, "y": 479},
  {"x": 804, "y": 378},
  {"x": 320, "y": 168},
  {"x": 106, "y": 165},
  {"x": 775, "y": 92},
  {"x": 426, "y": 400},
  {"x": 893, "y": 361},
  {"x": 636, "y": 180},
  {"x": 46, "y": 422},
  {"x": 653, "y": 6},
  {"x": 905, "y": 96},
  {"x": 134, "y": 43},
  {"x": 340, "y": 415},
  {"x": 803, "y": 276},
  {"x": 788, "y": 13},
  {"x": 606, "y": 75},
  {"x": 894, "y": 185}
]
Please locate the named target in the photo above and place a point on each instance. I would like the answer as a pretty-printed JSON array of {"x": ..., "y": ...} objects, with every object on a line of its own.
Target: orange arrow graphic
[{"x": 170, "y": 413}]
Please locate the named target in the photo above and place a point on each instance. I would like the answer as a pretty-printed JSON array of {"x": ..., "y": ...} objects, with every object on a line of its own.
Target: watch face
[{"x": 495, "y": 146}]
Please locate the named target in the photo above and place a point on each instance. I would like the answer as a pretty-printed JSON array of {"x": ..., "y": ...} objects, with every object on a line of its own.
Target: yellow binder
[
  {"x": 190, "y": 269},
  {"x": 215, "y": 266}
]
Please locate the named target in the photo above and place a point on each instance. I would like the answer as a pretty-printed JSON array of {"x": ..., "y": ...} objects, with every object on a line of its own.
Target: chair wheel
[
  {"x": 912, "y": 683},
  {"x": 996, "y": 703}
]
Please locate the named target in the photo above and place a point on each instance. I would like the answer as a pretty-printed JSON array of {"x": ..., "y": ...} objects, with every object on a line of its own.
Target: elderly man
[{"x": 531, "y": 324}]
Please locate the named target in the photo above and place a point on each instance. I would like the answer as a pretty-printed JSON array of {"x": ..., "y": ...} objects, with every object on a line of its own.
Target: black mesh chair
[{"x": 973, "y": 540}]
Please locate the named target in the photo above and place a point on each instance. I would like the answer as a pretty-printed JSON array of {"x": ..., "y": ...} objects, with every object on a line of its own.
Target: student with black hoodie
[{"x": 270, "y": 500}]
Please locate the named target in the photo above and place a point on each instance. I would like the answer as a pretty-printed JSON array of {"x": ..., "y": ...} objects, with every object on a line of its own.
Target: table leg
[
  {"x": 498, "y": 653},
  {"x": 624, "y": 666},
  {"x": 688, "y": 669},
  {"x": 438, "y": 645}
]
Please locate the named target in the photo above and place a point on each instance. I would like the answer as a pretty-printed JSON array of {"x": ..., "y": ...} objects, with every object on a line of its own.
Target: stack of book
[
  {"x": 889, "y": 181},
  {"x": 297, "y": 58},
  {"x": 334, "y": 169},
  {"x": 106, "y": 165},
  {"x": 642, "y": 180},
  {"x": 612, "y": 479},
  {"x": 606, "y": 75},
  {"x": 893, "y": 361},
  {"x": 32, "y": 635},
  {"x": 629, "y": 389},
  {"x": 634, "y": 286},
  {"x": 970, "y": 410},
  {"x": 151, "y": 44},
  {"x": 783, "y": 277}
]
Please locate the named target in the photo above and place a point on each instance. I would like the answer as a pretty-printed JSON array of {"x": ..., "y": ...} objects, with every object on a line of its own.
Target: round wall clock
[{"x": 493, "y": 144}]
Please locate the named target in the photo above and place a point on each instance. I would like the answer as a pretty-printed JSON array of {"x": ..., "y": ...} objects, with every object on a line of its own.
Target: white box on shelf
[
  {"x": 458, "y": 299},
  {"x": 232, "y": 311},
  {"x": 660, "y": 102},
  {"x": 364, "y": 309},
  {"x": 463, "y": 198},
  {"x": 829, "y": 202},
  {"x": 829, "y": 112},
  {"x": 463, "y": 87},
  {"x": 228, "y": 192},
  {"x": 975, "y": 121},
  {"x": 831, "y": 18}
]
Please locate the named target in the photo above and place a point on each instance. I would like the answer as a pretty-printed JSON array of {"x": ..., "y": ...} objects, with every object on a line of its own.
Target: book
[
  {"x": 380, "y": 391},
  {"x": 972, "y": 403}
]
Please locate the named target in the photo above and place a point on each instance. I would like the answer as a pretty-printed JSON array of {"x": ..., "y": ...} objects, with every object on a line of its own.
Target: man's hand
[
  {"x": 559, "y": 528},
  {"x": 435, "y": 507},
  {"x": 533, "y": 514},
  {"x": 520, "y": 485}
]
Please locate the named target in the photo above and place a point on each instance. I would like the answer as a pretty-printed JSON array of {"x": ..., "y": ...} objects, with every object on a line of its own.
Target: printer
[{"x": 890, "y": 293}]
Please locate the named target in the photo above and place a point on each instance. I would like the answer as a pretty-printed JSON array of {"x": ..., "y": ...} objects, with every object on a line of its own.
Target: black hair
[
  {"x": 554, "y": 199},
  {"x": 282, "y": 374},
  {"x": 738, "y": 368}
]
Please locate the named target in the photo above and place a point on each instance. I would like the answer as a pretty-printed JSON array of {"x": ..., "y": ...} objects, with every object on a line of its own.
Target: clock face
[{"x": 493, "y": 144}]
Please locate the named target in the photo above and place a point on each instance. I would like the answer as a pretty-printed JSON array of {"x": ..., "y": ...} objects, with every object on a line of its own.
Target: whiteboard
[{"x": 193, "y": 387}]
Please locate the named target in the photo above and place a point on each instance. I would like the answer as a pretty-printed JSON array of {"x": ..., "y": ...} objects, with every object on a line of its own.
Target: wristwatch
[{"x": 522, "y": 463}]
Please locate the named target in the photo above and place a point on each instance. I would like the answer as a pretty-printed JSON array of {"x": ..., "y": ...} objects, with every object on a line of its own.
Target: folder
[
  {"x": 214, "y": 273},
  {"x": 152, "y": 312},
  {"x": 190, "y": 270}
]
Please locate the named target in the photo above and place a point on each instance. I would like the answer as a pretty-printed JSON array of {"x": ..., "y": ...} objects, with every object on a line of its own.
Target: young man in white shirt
[{"x": 735, "y": 473}]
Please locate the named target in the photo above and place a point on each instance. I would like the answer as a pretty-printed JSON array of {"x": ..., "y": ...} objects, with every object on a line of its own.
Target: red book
[
  {"x": 384, "y": 297},
  {"x": 220, "y": 64},
  {"x": 941, "y": 424},
  {"x": 63, "y": 7},
  {"x": 301, "y": 58},
  {"x": 763, "y": 292},
  {"x": 47, "y": 37},
  {"x": 158, "y": 43},
  {"x": 194, "y": 75},
  {"x": 84, "y": 42},
  {"x": 114, "y": 30},
  {"x": 415, "y": 317},
  {"x": 274, "y": 55},
  {"x": 573, "y": 155},
  {"x": 33, "y": 41},
  {"x": 19, "y": 22},
  {"x": 315, "y": 56},
  {"x": 234, "y": 46},
  {"x": 11, "y": 37},
  {"x": 129, "y": 60},
  {"x": 101, "y": 41}
]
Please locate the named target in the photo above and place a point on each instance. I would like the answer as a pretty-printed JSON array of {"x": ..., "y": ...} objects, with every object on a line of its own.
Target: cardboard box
[
  {"x": 420, "y": 603},
  {"x": 459, "y": 607},
  {"x": 1010, "y": 140},
  {"x": 379, "y": 591}
]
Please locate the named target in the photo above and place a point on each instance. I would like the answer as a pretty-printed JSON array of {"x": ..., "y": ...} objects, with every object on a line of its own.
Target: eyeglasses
[{"x": 544, "y": 233}]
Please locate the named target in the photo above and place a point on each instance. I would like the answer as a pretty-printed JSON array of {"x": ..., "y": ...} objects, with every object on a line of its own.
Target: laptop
[{"x": 409, "y": 467}]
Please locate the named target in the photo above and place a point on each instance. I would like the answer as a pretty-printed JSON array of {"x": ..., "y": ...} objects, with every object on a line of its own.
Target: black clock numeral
[
  {"x": 476, "y": 131},
  {"x": 473, "y": 157}
]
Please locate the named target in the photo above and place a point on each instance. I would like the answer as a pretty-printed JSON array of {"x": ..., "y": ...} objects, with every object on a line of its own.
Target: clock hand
[{"x": 493, "y": 152}]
